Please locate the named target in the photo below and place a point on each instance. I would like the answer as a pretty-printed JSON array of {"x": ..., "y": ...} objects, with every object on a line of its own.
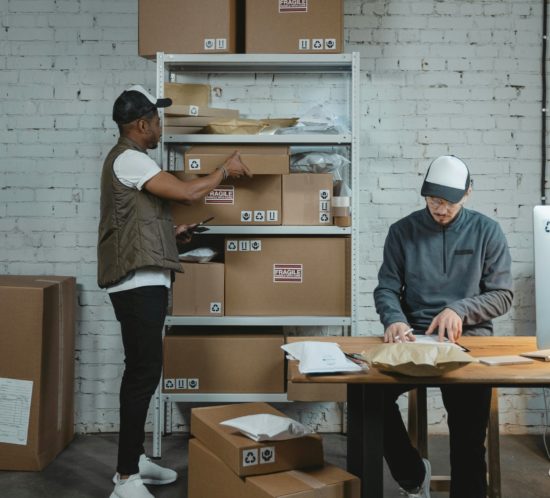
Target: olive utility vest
[{"x": 135, "y": 227}]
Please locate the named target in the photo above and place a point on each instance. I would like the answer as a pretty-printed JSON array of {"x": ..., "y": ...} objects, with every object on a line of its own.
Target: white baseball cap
[{"x": 448, "y": 178}]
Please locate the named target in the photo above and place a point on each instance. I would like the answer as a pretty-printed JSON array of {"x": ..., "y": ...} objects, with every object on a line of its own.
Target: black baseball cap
[
  {"x": 448, "y": 178},
  {"x": 134, "y": 103}
]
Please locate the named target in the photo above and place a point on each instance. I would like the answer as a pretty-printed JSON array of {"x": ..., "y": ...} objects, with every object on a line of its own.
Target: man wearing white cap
[
  {"x": 446, "y": 271},
  {"x": 137, "y": 253}
]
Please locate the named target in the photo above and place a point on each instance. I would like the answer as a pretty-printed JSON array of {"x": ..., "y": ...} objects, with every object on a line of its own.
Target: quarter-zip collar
[{"x": 456, "y": 224}]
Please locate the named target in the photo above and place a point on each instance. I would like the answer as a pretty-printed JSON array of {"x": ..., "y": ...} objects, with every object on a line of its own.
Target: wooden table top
[{"x": 533, "y": 374}]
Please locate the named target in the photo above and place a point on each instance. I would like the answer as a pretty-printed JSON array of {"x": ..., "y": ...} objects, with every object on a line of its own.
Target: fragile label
[
  {"x": 246, "y": 216},
  {"x": 330, "y": 44},
  {"x": 288, "y": 273},
  {"x": 286, "y": 6},
  {"x": 324, "y": 195},
  {"x": 224, "y": 194},
  {"x": 193, "y": 384},
  {"x": 209, "y": 44}
]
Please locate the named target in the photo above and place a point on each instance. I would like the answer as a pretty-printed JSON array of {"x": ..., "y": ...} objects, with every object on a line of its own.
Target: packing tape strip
[
  {"x": 341, "y": 201},
  {"x": 320, "y": 489}
]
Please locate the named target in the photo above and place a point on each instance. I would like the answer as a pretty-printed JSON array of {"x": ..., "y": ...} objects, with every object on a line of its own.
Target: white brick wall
[{"x": 438, "y": 77}]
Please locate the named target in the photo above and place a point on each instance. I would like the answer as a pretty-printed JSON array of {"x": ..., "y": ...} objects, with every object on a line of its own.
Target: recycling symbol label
[
  {"x": 250, "y": 457},
  {"x": 547, "y": 227},
  {"x": 169, "y": 384},
  {"x": 194, "y": 164},
  {"x": 330, "y": 43},
  {"x": 246, "y": 216},
  {"x": 318, "y": 44},
  {"x": 324, "y": 195},
  {"x": 209, "y": 44},
  {"x": 193, "y": 383},
  {"x": 194, "y": 110},
  {"x": 324, "y": 218},
  {"x": 267, "y": 455},
  {"x": 231, "y": 246},
  {"x": 256, "y": 245},
  {"x": 216, "y": 308},
  {"x": 259, "y": 216}
]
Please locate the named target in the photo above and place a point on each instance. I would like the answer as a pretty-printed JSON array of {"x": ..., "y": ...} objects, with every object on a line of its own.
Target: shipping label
[
  {"x": 224, "y": 194},
  {"x": 292, "y": 273},
  {"x": 286, "y": 6}
]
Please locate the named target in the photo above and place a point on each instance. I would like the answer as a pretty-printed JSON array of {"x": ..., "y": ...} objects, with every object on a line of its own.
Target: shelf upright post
[{"x": 355, "y": 165}]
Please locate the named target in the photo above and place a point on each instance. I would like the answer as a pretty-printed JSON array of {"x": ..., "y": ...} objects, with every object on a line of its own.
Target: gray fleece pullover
[{"x": 464, "y": 266}]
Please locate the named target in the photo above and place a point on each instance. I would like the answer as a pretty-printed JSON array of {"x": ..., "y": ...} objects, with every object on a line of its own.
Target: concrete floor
[{"x": 85, "y": 468}]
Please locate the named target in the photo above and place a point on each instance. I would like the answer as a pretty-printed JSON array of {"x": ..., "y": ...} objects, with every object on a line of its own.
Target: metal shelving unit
[{"x": 341, "y": 64}]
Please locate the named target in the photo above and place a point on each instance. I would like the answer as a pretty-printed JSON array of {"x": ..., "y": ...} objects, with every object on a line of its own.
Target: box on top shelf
[
  {"x": 260, "y": 159},
  {"x": 287, "y": 276},
  {"x": 210, "y": 476},
  {"x": 187, "y": 27},
  {"x": 294, "y": 26},
  {"x": 244, "y": 456},
  {"x": 203, "y": 362},
  {"x": 307, "y": 199},
  {"x": 238, "y": 201},
  {"x": 199, "y": 290},
  {"x": 36, "y": 369}
]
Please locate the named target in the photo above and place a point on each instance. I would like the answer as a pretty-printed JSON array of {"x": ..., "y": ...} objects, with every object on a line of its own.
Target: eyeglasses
[{"x": 436, "y": 202}]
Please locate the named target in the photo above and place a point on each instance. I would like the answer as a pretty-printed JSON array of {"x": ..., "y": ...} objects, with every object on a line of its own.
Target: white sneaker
[
  {"x": 424, "y": 490},
  {"x": 151, "y": 473},
  {"x": 132, "y": 487}
]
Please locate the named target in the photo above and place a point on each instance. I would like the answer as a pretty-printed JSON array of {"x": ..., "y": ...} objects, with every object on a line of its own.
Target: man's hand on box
[
  {"x": 399, "y": 332},
  {"x": 235, "y": 168},
  {"x": 448, "y": 322}
]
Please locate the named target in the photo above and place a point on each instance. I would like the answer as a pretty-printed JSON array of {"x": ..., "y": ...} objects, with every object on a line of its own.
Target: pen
[{"x": 408, "y": 331}]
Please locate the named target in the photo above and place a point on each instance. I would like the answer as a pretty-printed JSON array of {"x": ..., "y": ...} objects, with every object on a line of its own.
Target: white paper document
[
  {"x": 15, "y": 409},
  {"x": 320, "y": 357}
]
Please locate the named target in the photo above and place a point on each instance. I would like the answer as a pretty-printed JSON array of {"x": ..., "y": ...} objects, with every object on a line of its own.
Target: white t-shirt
[{"x": 134, "y": 169}]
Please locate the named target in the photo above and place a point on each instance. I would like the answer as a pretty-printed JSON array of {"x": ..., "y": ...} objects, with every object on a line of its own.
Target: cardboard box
[
  {"x": 200, "y": 111},
  {"x": 287, "y": 276},
  {"x": 181, "y": 130},
  {"x": 302, "y": 391},
  {"x": 244, "y": 456},
  {"x": 294, "y": 26},
  {"x": 199, "y": 290},
  {"x": 239, "y": 201},
  {"x": 187, "y": 95},
  {"x": 224, "y": 363},
  {"x": 307, "y": 199},
  {"x": 210, "y": 477},
  {"x": 260, "y": 159},
  {"x": 187, "y": 27},
  {"x": 36, "y": 346}
]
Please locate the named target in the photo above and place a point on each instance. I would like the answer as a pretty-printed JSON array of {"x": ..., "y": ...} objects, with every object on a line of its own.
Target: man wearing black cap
[
  {"x": 137, "y": 252},
  {"x": 446, "y": 271}
]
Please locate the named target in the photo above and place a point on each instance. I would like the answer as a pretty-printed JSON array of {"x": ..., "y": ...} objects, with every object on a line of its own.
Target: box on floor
[
  {"x": 244, "y": 456},
  {"x": 238, "y": 201},
  {"x": 209, "y": 476},
  {"x": 294, "y": 26},
  {"x": 36, "y": 367},
  {"x": 203, "y": 361},
  {"x": 187, "y": 27},
  {"x": 287, "y": 276}
]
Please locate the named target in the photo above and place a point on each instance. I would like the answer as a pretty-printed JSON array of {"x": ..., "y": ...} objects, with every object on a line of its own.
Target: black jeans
[
  {"x": 467, "y": 417},
  {"x": 141, "y": 313}
]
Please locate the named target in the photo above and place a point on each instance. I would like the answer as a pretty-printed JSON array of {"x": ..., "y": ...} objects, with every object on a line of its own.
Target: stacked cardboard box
[
  {"x": 223, "y": 463},
  {"x": 36, "y": 369},
  {"x": 225, "y": 360},
  {"x": 187, "y": 27}
]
